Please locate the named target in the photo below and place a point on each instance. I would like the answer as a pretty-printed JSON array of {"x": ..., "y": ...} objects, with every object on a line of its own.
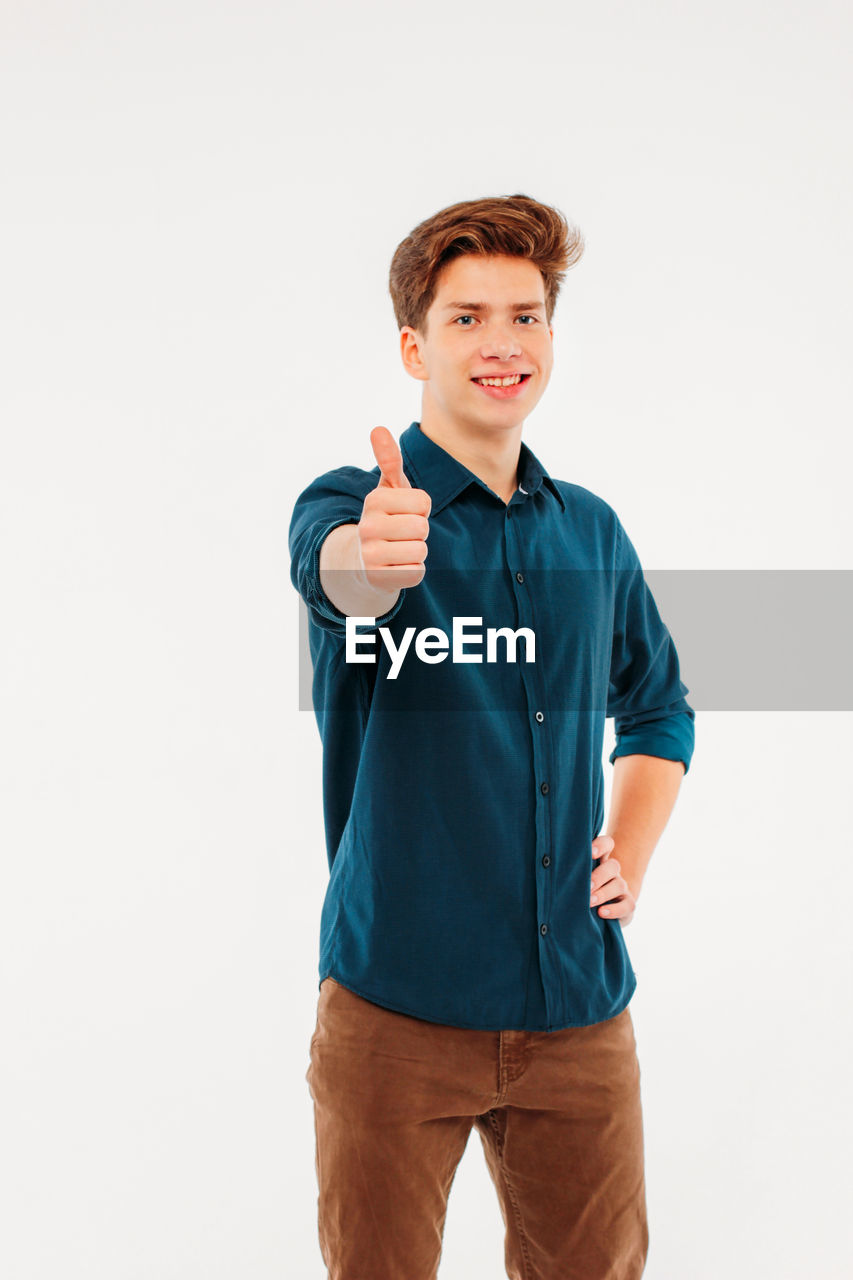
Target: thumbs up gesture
[{"x": 393, "y": 528}]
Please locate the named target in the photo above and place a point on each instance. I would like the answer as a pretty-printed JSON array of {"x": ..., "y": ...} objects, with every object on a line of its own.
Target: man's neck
[{"x": 493, "y": 456}]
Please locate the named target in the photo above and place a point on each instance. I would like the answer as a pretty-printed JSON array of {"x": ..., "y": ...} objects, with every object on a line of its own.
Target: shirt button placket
[{"x": 540, "y": 743}]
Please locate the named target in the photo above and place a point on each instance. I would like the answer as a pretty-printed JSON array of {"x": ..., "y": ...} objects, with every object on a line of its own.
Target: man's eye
[{"x": 465, "y": 326}]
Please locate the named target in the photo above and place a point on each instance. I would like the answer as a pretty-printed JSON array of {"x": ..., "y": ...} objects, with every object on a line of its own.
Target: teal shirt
[{"x": 461, "y": 798}]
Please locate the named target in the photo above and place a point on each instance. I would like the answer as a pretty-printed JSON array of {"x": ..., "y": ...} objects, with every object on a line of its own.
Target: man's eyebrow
[{"x": 482, "y": 306}]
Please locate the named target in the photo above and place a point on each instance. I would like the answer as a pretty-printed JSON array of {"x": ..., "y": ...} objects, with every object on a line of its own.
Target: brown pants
[{"x": 559, "y": 1116}]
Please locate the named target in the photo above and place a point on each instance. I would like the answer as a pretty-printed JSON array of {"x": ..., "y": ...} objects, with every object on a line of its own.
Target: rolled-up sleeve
[
  {"x": 337, "y": 497},
  {"x": 646, "y": 696}
]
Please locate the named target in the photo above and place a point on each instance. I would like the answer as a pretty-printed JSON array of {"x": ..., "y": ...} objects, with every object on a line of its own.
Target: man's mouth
[
  {"x": 508, "y": 381},
  {"x": 503, "y": 388}
]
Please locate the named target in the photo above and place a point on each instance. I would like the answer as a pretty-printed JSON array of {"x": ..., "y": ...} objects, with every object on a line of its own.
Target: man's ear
[{"x": 410, "y": 352}]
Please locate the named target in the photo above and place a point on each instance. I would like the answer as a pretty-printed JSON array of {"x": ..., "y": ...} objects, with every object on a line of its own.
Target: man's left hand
[{"x": 608, "y": 886}]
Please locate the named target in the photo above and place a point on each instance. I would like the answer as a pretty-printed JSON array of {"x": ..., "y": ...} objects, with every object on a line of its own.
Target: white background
[{"x": 200, "y": 205}]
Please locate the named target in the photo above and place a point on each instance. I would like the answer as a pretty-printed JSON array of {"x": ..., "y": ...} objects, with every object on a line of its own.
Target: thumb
[{"x": 387, "y": 453}]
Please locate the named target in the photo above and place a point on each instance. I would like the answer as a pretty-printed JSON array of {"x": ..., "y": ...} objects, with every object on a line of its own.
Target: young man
[{"x": 473, "y": 971}]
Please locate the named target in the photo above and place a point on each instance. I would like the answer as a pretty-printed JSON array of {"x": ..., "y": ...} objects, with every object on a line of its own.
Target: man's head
[
  {"x": 474, "y": 289},
  {"x": 516, "y": 226}
]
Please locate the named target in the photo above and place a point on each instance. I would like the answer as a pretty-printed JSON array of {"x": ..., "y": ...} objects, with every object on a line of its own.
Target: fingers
[
  {"x": 621, "y": 910},
  {"x": 604, "y": 873},
  {"x": 607, "y": 886},
  {"x": 394, "y": 523},
  {"x": 405, "y": 526},
  {"x": 602, "y": 845},
  {"x": 606, "y": 883},
  {"x": 398, "y": 501},
  {"x": 404, "y": 553},
  {"x": 395, "y": 577},
  {"x": 387, "y": 453}
]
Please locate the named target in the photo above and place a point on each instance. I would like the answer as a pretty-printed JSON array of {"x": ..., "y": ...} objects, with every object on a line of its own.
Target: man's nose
[{"x": 501, "y": 345}]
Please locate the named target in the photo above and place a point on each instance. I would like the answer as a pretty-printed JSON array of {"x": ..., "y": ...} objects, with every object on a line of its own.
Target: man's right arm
[
  {"x": 342, "y": 576},
  {"x": 363, "y": 566}
]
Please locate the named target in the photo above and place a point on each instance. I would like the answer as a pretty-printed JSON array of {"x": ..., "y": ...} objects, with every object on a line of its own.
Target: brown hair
[{"x": 515, "y": 225}]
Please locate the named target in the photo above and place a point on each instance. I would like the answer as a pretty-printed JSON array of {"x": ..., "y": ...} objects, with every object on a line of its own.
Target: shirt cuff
[
  {"x": 321, "y": 610},
  {"x": 672, "y": 740}
]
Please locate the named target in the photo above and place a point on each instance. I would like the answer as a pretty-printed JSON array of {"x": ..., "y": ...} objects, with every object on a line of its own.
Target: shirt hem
[{"x": 470, "y": 1026}]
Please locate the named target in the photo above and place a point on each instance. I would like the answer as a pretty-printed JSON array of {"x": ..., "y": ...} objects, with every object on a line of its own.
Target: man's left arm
[
  {"x": 643, "y": 796},
  {"x": 654, "y": 726}
]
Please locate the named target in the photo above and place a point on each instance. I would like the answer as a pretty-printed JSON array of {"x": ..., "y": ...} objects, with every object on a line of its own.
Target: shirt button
[
  {"x": 544, "y": 788},
  {"x": 519, "y": 577},
  {"x": 539, "y": 716},
  {"x": 543, "y": 929},
  {"x": 546, "y": 861}
]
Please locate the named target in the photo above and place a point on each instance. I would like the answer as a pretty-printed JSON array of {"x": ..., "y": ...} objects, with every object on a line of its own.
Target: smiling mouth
[{"x": 510, "y": 381}]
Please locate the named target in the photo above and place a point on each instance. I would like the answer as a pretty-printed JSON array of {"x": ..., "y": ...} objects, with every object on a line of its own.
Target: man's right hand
[{"x": 393, "y": 528}]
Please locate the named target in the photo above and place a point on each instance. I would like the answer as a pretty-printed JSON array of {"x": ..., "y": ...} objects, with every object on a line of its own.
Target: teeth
[{"x": 500, "y": 382}]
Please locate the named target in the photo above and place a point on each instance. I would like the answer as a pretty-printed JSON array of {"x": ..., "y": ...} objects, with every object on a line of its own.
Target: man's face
[{"x": 487, "y": 320}]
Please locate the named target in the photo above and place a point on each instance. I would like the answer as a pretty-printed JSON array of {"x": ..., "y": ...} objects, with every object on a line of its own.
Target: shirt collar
[{"x": 444, "y": 477}]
